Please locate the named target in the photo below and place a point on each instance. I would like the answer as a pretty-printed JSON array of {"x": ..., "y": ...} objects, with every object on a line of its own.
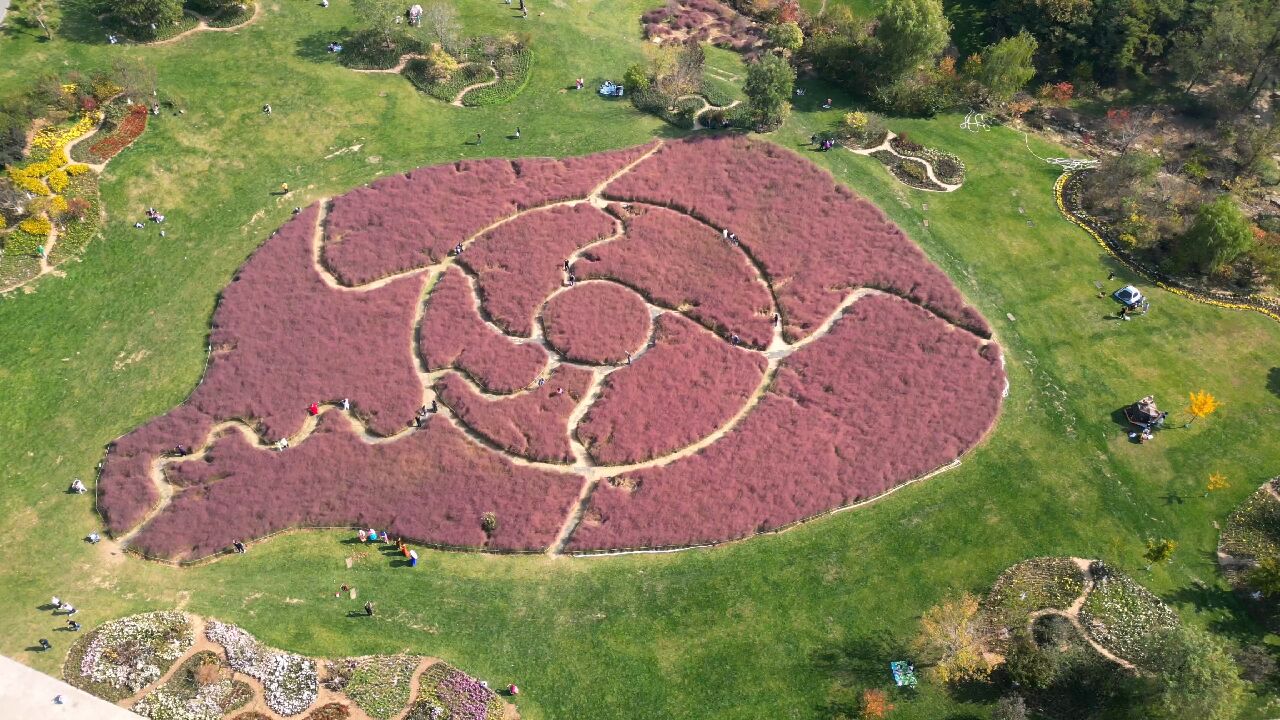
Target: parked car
[{"x": 1128, "y": 295}]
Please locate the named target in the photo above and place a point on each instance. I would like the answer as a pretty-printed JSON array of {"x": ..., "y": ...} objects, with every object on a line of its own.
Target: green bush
[{"x": 512, "y": 68}]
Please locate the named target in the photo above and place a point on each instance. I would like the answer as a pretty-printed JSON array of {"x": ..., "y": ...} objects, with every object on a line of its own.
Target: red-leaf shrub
[
  {"x": 408, "y": 221},
  {"x": 892, "y": 393},
  {"x": 677, "y": 262},
  {"x": 432, "y": 485},
  {"x": 454, "y": 335},
  {"x": 533, "y": 425},
  {"x": 683, "y": 388},
  {"x": 130, "y": 127},
  {"x": 596, "y": 322},
  {"x": 815, "y": 239},
  {"x": 519, "y": 263}
]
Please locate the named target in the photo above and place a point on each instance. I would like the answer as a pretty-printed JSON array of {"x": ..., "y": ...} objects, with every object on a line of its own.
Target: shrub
[
  {"x": 597, "y": 323},
  {"x": 36, "y": 226}
]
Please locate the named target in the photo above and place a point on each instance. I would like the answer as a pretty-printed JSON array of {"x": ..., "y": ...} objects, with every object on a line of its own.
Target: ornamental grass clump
[
  {"x": 289, "y": 681},
  {"x": 121, "y": 657}
]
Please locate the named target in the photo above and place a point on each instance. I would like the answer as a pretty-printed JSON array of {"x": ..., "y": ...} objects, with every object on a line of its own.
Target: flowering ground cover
[
  {"x": 1253, "y": 529},
  {"x": 201, "y": 689},
  {"x": 447, "y": 693},
  {"x": 678, "y": 262},
  {"x": 687, "y": 385},
  {"x": 454, "y": 335},
  {"x": 533, "y": 425},
  {"x": 1120, "y": 614},
  {"x": 598, "y": 323},
  {"x": 120, "y": 657},
  {"x": 126, "y": 126},
  {"x": 432, "y": 485},
  {"x": 1035, "y": 584},
  {"x": 519, "y": 263},
  {"x": 289, "y": 681},
  {"x": 891, "y": 393},
  {"x": 406, "y": 221},
  {"x": 330, "y": 711},
  {"x": 813, "y": 238},
  {"x": 378, "y": 684}
]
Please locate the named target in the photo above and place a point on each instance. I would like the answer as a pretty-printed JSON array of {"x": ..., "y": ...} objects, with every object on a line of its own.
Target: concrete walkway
[
  {"x": 4, "y": 8},
  {"x": 27, "y": 693}
]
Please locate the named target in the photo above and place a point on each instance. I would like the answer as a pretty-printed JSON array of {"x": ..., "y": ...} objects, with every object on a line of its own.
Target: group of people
[
  {"x": 59, "y": 606},
  {"x": 373, "y": 536},
  {"x": 335, "y": 47},
  {"x": 154, "y": 216},
  {"x": 420, "y": 417},
  {"x": 731, "y": 237},
  {"x": 823, "y": 143}
]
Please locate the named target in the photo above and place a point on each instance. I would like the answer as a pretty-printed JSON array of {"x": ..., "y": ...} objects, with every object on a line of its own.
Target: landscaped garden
[{"x": 776, "y": 626}]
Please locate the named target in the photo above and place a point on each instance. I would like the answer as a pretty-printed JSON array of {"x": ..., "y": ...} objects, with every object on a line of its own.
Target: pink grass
[{"x": 596, "y": 322}]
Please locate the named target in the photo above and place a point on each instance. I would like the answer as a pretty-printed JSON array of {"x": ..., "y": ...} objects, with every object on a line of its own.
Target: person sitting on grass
[
  {"x": 78, "y": 487},
  {"x": 363, "y": 535}
]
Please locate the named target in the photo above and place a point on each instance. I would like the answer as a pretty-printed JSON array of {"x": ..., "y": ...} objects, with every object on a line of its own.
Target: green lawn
[{"x": 769, "y": 628}]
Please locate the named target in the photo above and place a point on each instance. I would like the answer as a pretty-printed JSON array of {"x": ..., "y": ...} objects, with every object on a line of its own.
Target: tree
[
  {"x": 144, "y": 13},
  {"x": 136, "y": 80},
  {"x": 1203, "y": 54},
  {"x": 1201, "y": 405},
  {"x": 47, "y": 21},
  {"x": 1217, "y": 481},
  {"x": 1007, "y": 67},
  {"x": 1221, "y": 234},
  {"x": 1265, "y": 576},
  {"x": 440, "y": 21},
  {"x": 1010, "y": 707},
  {"x": 1159, "y": 551},
  {"x": 910, "y": 32},
  {"x": 770, "y": 82},
  {"x": 788, "y": 36},
  {"x": 1194, "y": 676},
  {"x": 875, "y": 705},
  {"x": 1029, "y": 665},
  {"x": 380, "y": 16},
  {"x": 954, "y": 638}
]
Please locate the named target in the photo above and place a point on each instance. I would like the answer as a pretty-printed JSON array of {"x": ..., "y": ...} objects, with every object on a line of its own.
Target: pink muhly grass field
[
  {"x": 453, "y": 334},
  {"x": 519, "y": 263},
  {"x": 814, "y": 238},
  {"x": 683, "y": 388},
  {"x": 596, "y": 322},
  {"x": 533, "y": 425},
  {"x": 408, "y": 221},
  {"x": 892, "y": 393},
  {"x": 432, "y": 486},
  {"x": 677, "y": 262}
]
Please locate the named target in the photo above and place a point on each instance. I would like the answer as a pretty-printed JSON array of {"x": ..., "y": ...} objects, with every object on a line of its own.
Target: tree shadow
[
  {"x": 856, "y": 664},
  {"x": 80, "y": 23},
  {"x": 1273, "y": 381},
  {"x": 1229, "y": 615}
]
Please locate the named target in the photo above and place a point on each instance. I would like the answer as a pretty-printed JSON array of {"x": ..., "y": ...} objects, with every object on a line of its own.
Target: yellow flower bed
[
  {"x": 58, "y": 180},
  {"x": 53, "y": 138},
  {"x": 58, "y": 205},
  {"x": 77, "y": 169},
  {"x": 36, "y": 226},
  {"x": 30, "y": 184},
  {"x": 1058, "y": 187}
]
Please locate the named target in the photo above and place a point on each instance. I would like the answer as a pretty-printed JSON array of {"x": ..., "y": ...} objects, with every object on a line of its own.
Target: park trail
[
  {"x": 1072, "y": 614},
  {"x": 887, "y": 146},
  {"x": 258, "y": 703},
  {"x": 204, "y": 26},
  {"x": 583, "y": 466},
  {"x": 457, "y": 99}
]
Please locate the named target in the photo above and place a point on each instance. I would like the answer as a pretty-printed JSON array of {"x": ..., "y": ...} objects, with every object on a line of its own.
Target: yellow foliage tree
[
  {"x": 1202, "y": 405},
  {"x": 954, "y": 638},
  {"x": 1217, "y": 481}
]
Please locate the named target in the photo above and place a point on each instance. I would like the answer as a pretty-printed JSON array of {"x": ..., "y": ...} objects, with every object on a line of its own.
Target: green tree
[
  {"x": 770, "y": 82},
  {"x": 910, "y": 33},
  {"x": 1202, "y": 54},
  {"x": 1265, "y": 576},
  {"x": 1159, "y": 551},
  {"x": 1029, "y": 665},
  {"x": 1221, "y": 234},
  {"x": 788, "y": 36},
  {"x": 144, "y": 13},
  {"x": 1007, "y": 67},
  {"x": 380, "y": 16},
  {"x": 1010, "y": 707},
  {"x": 1195, "y": 676}
]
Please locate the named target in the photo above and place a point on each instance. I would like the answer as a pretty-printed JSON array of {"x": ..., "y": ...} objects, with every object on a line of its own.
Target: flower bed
[
  {"x": 704, "y": 21},
  {"x": 75, "y": 234},
  {"x": 16, "y": 268},
  {"x": 1120, "y": 614},
  {"x": 202, "y": 689},
  {"x": 121, "y": 657},
  {"x": 331, "y": 711},
  {"x": 446, "y": 90},
  {"x": 519, "y": 263},
  {"x": 891, "y": 393},
  {"x": 908, "y": 170},
  {"x": 251, "y": 715},
  {"x": 102, "y": 149},
  {"x": 289, "y": 681},
  {"x": 512, "y": 68},
  {"x": 453, "y": 334},
  {"x": 1253, "y": 528},
  {"x": 683, "y": 388},
  {"x": 533, "y": 425},
  {"x": 407, "y": 221},
  {"x": 379, "y": 685},
  {"x": 678, "y": 262},
  {"x": 1036, "y": 584},
  {"x": 946, "y": 167},
  {"x": 797, "y": 223},
  {"x": 447, "y": 693},
  {"x": 432, "y": 486},
  {"x": 599, "y": 323}
]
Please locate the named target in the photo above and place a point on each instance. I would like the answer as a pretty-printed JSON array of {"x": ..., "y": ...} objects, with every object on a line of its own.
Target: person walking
[
  {"x": 368, "y": 608},
  {"x": 477, "y": 138},
  {"x": 284, "y": 188},
  {"x": 517, "y": 132},
  {"x": 44, "y": 644}
]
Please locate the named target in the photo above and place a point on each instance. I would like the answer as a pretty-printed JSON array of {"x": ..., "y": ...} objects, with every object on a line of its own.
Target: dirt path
[
  {"x": 887, "y": 145},
  {"x": 1072, "y": 614},
  {"x": 706, "y": 108},
  {"x": 399, "y": 66},
  {"x": 203, "y": 26},
  {"x": 457, "y": 99}
]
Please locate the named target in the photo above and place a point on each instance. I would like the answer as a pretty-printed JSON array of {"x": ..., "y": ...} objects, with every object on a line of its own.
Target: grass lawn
[{"x": 773, "y": 627}]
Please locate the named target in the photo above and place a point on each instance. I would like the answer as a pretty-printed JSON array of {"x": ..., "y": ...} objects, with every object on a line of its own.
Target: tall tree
[
  {"x": 910, "y": 32},
  {"x": 770, "y": 82},
  {"x": 380, "y": 16},
  {"x": 787, "y": 36},
  {"x": 1205, "y": 51},
  {"x": 1221, "y": 234},
  {"x": 440, "y": 21},
  {"x": 1007, "y": 67},
  {"x": 1195, "y": 677}
]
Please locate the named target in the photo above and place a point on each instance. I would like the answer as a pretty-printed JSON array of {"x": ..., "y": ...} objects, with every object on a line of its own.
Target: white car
[{"x": 1128, "y": 295}]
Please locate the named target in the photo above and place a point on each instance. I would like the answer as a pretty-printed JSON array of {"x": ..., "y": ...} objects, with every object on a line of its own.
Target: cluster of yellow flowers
[
  {"x": 36, "y": 225},
  {"x": 1058, "y": 187}
]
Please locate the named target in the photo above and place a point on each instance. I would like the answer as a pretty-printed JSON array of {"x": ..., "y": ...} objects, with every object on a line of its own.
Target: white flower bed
[
  {"x": 289, "y": 680},
  {"x": 167, "y": 705},
  {"x": 1121, "y": 614},
  {"x": 123, "y": 656}
]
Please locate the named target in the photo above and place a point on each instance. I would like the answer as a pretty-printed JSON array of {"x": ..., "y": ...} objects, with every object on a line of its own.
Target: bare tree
[{"x": 441, "y": 24}]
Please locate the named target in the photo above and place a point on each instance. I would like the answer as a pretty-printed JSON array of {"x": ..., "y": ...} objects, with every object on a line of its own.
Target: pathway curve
[
  {"x": 887, "y": 146},
  {"x": 1072, "y": 614},
  {"x": 457, "y": 99},
  {"x": 204, "y": 26},
  {"x": 583, "y": 465},
  {"x": 399, "y": 66},
  {"x": 706, "y": 108}
]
